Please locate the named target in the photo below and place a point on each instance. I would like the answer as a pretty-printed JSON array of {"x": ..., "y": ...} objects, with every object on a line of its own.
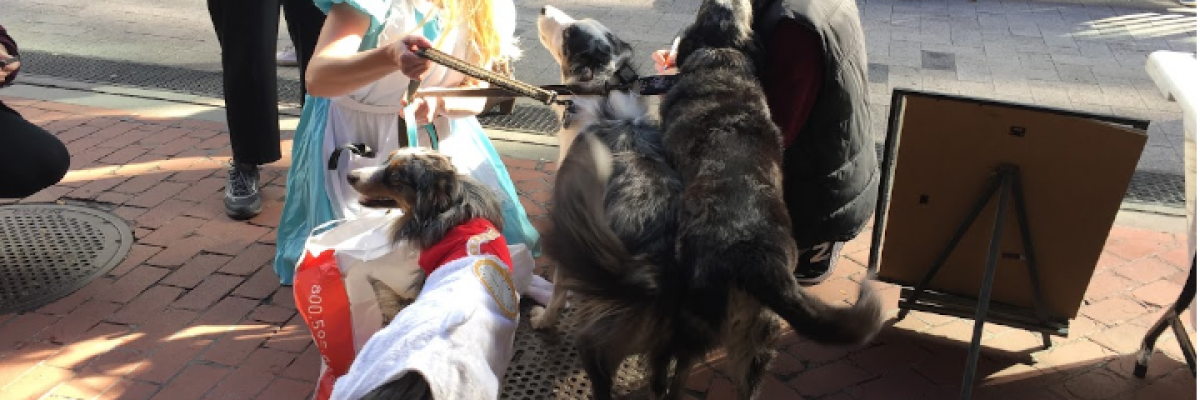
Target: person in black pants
[
  {"x": 247, "y": 31},
  {"x": 31, "y": 159}
]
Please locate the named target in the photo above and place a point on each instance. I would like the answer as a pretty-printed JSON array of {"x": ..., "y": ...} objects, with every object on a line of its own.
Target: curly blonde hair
[{"x": 487, "y": 47}]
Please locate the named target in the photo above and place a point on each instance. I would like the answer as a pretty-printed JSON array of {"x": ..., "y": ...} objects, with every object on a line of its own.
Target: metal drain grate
[
  {"x": 1158, "y": 189},
  {"x": 524, "y": 118},
  {"x": 139, "y": 75},
  {"x": 50, "y": 251},
  {"x": 545, "y": 365}
]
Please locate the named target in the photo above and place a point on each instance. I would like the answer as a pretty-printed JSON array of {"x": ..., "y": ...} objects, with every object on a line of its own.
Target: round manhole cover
[{"x": 50, "y": 251}]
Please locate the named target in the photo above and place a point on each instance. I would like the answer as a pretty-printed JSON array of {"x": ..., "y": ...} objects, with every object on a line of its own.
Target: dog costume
[{"x": 459, "y": 332}]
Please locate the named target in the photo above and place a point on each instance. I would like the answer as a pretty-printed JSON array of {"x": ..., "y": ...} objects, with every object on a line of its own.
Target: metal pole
[
  {"x": 976, "y": 209},
  {"x": 1170, "y": 317},
  {"x": 985, "y": 292},
  {"x": 1039, "y": 306},
  {"x": 887, "y": 172}
]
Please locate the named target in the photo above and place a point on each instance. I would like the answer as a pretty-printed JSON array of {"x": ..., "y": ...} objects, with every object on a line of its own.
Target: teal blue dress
[{"x": 308, "y": 203}]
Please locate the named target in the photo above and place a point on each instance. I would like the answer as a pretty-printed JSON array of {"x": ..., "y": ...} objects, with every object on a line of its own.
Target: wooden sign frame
[{"x": 1052, "y": 178}]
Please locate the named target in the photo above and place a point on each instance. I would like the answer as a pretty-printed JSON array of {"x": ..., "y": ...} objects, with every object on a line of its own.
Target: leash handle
[
  {"x": 510, "y": 84},
  {"x": 357, "y": 148}
]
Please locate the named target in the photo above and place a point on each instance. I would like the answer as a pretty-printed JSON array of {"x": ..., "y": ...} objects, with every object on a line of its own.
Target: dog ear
[
  {"x": 396, "y": 177},
  {"x": 417, "y": 171},
  {"x": 438, "y": 192},
  {"x": 622, "y": 48},
  {"x": 434, "y": 179},
  {"x": 408, "y": 173}
]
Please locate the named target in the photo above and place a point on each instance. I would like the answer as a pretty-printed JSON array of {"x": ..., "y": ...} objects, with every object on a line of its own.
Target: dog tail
[
  {"x": 819, "y": 321},
  {"x": 589, "y": 253}
]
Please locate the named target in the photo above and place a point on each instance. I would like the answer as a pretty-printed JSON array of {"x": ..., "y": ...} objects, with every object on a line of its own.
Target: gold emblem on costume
[{"x": 496, "y": 279}]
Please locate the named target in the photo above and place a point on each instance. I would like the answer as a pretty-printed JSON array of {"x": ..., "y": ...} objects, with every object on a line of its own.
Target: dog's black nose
[
  {"x": 543, "y": 10},
  {"x": 352, "y": 178}
]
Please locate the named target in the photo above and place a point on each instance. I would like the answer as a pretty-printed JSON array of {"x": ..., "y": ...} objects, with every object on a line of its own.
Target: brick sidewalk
[{"x": 195, "y": 311}]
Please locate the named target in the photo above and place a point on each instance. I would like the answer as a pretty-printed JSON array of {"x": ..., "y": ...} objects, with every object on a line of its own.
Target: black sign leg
[
  {"x": 1039, "y": 306},
  {"x": 985, "y": 292},
  {"x": 949, "y": 249},
  {"x": 1171, "y": 317}
]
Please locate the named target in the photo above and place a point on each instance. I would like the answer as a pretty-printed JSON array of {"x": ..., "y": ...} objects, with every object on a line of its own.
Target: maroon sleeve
[
  {"x": 10, "y": 46},
  {"x": 793, "y": 76}
]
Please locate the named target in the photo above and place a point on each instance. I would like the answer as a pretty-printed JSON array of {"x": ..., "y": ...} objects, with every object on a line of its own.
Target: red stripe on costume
[{"x": 475, "y": 237}]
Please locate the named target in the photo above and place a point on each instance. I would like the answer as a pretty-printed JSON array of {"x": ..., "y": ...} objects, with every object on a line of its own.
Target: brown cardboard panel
[{"x": 1074, "y": 171}]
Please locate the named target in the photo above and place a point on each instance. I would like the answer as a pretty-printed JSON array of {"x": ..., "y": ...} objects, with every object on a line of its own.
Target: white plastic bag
[{"x": 335, "y": 296}]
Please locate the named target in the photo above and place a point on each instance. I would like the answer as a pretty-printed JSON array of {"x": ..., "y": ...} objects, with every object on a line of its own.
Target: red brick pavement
[{"x": 195, "y": 310}]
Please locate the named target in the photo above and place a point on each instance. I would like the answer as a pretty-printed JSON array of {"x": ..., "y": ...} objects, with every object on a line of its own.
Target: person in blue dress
[{"x": 357, "y": 81}]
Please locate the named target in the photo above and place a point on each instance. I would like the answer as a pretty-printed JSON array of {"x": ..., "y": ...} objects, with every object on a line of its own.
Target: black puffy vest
[{"x": 831, "y": 175}]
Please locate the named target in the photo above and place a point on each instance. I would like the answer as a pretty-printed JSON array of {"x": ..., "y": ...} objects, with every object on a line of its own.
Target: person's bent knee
[
  {"x": 39, "y": 176},
  {"x": 57, "y": 162},
  {"x": 45, "y": 165}
]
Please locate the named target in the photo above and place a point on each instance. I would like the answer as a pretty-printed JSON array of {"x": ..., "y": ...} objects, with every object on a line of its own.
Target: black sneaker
[
  {"x": 242, "y": 200},
  {"x": 817, "y": 263}
]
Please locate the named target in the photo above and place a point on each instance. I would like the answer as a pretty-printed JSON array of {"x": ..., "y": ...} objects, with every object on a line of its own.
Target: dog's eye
[{"x": 395, "y": 177}]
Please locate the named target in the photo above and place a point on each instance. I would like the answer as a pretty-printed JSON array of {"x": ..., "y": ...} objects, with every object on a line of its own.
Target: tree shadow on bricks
[
  {"x": 930, "y": 366},
  {"x": 176, "y": 355}
]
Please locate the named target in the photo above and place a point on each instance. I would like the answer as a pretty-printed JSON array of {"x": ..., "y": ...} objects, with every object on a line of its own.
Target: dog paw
[{"x": 539, "y": 318}]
